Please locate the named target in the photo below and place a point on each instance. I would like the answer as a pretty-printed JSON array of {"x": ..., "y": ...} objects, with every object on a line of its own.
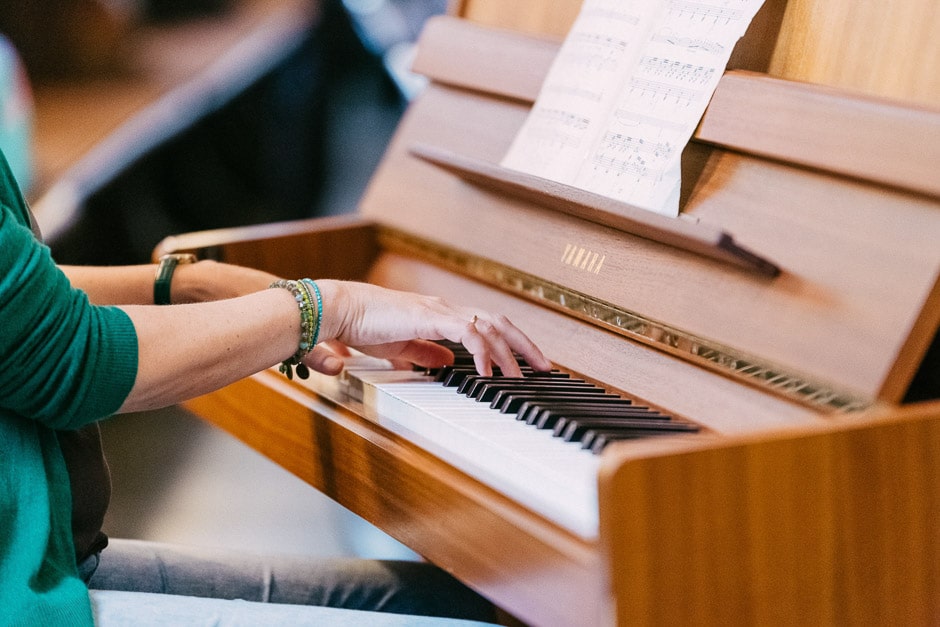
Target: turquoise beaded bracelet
[
  {"x": 310, "y": 284},
  {"x": 310, "y": 303}
]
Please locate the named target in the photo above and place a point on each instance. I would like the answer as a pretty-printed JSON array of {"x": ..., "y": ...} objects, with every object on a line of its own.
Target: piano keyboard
[{"x": 533, "y": 439}]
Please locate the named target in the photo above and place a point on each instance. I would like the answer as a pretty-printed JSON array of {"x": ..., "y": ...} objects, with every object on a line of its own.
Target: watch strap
[{"x": 165, "y": 269}]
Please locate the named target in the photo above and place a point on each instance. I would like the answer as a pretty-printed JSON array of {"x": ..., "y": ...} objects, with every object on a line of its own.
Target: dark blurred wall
[{"x": 301, "y": 141}]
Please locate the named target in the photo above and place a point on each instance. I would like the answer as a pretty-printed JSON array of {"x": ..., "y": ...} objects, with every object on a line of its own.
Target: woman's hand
[
  {"x": 190, "y": 349},
  {"x": 402, "y": 327}
]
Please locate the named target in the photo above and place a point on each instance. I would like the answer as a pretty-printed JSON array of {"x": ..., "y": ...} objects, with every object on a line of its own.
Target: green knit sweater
[{"x": 63, "y": 364}]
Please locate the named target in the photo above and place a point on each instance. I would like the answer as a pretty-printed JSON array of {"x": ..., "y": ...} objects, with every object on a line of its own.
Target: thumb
[
  {"x": 323, "y": 360},
  {"x": 421, "y": 352}
]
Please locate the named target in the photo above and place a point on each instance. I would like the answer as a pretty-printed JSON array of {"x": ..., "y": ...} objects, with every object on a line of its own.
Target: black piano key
[
  {"x": 510, "y": 402},
  {"x": 462, "y": 358},
  {"x": 543, "y": 414},
  {"x": 574, "y": 430},
  {"x": 456, "y": 374},
  {"x": 465, "y": 357},
  {"x": 488, "y": 391},
  {"x": 596, "y": 439},
  {"x": 459, "y": 350},
  {"x": 464, "y": 366},
  {"x": 453, "y": 375},
  {"x": 473, "y": 382},
  {"x": 440, "y": 374},
  {"x": 534, "y": 396},
  {"x": 455, "y": 347},
  {"x": 627, "y": 413},
  {"x": 604, "y": 411}
]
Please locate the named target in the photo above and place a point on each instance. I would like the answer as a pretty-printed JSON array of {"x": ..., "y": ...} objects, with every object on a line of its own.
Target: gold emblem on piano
[{"x": 583, "y": 259}]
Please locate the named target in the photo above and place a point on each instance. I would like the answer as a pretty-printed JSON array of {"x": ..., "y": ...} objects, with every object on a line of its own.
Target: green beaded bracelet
[{"x": 305, "y": 292}]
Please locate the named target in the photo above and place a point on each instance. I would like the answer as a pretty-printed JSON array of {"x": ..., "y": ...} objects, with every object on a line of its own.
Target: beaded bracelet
[
  {"x": 310, "y": 317},
  {"x": 311, "y": 284}
]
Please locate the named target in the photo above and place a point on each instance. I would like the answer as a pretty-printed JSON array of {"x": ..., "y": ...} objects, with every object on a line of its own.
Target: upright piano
[{"x": 802, "y": 485}]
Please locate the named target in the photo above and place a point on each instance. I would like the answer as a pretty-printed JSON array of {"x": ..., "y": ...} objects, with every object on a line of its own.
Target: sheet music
[{"x": 625, "y": 93}]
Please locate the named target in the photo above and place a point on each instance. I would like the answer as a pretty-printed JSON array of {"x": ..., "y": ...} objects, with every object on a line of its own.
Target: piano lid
[{"x": 780, "y": 166}]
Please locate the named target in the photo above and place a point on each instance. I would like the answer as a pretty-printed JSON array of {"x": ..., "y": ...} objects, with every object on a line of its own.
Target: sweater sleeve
[{"x": 63, "y": 361}]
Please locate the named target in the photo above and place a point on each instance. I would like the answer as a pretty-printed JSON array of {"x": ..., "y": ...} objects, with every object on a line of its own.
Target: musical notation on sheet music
[
  {"x": 647, "y": 66},
  {"x": 562, "y": 129},
  {"x": 673, "y": 70},
  {"x": 704, "y": 11},
  {"x": 595, "y": 51},
  {"x": 661, "y": 91},
  {"x": 636, "y": 145},
  {"x": 691, "y": 44},
  {"x": 611, "y": 14}
]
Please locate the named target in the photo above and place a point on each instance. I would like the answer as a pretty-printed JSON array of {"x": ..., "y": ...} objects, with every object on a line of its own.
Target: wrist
[
  {"x": 208, "y": 280},
  {"x": 193, "y": 283},
  {"x": 332, "y": 319},
  {"x": 308, "y": 299}
]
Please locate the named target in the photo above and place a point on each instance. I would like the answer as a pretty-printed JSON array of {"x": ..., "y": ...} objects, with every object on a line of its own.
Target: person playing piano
[{"x": 80, "y": 344}]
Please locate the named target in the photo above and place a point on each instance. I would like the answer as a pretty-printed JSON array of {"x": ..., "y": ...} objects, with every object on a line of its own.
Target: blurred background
[{"x": 129, "y": 120}]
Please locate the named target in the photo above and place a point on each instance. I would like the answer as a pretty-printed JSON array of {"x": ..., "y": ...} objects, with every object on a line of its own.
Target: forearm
[
  {"x": 117, "y": 285},
  {"x": 133, "y": 285},
  {"x": 189, "y": 350}
]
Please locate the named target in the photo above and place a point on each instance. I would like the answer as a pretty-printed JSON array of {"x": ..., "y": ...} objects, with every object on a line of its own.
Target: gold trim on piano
[{"x": 698, "y": 350}]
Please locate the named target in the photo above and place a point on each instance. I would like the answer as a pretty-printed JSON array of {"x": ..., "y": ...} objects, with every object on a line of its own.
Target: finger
[
  {"x": 520, "y": 343},
  {"x": 323, "y": 360},
  {"x": 498, "y": 350},
  {"x": 427, "y": 354},
  {"x": 502, "y": 344},
  {"x": 423, "y": 353},
  {"x": 476, "y": 344},
  {"x": 337, "y": 347}
]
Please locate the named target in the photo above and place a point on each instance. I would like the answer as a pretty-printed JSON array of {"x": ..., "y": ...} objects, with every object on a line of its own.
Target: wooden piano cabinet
[
  {"x": 825, "y": 522},
  {"x": 823, "y": 527}
]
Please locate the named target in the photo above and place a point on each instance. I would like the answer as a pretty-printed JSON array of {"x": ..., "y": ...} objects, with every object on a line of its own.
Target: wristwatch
[{"x": 161, "y": 284}]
